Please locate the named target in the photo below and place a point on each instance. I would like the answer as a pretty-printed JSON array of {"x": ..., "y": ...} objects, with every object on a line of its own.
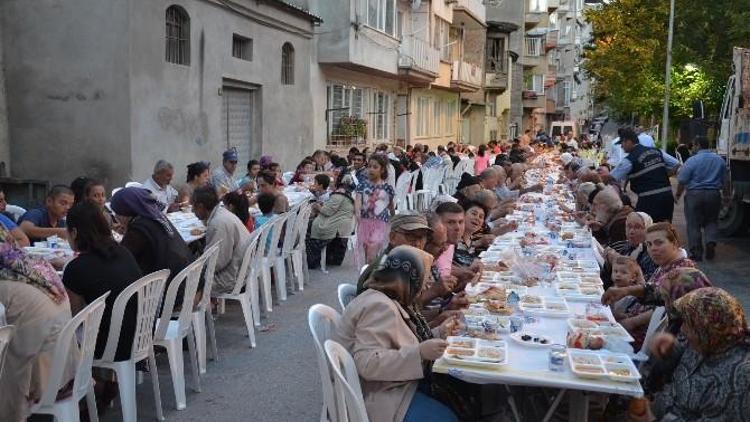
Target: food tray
[
  {"x": 476, "y": 352},
  {"x": 584, "y": 279},
  {"x": 532, "y": 339},
  {"x": 575, "y": 292},
  {"x": 546, "y": 306},
  {"x": 601, "y": 365},
  {"x": 487, "y": 327},
  {"x": 606, "y": 329}
]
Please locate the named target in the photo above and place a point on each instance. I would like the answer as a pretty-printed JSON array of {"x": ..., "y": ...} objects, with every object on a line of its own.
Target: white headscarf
[{"x": 566, "y": 157}]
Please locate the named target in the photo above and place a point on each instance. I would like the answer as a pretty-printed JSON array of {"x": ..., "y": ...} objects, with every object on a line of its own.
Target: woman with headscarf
[
  {"x": 37, "y": 305},
  {"x": 392, "y": 345},
  {"x": 333, "y": 224},
  {"x": 711, "y": 379},
  {"x": 149, "y": 236},
  {"x": 675, "y": 276}
]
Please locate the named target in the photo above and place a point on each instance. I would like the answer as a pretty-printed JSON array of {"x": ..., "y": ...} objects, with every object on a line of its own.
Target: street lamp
[{"x": 667, "y": 78}]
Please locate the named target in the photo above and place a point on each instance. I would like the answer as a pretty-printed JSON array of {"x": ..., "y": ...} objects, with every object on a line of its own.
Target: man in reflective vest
[{"x": 648, "y": 170}]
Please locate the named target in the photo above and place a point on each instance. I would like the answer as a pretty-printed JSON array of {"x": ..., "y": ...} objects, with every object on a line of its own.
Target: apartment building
[
  {"x": 539, "y": 27},
  {"x": 503, "y": 85},
  {"x": 394, "y": 71},
  {"x": 112, "y": 86},
  {"x": 570, "y": 98}
]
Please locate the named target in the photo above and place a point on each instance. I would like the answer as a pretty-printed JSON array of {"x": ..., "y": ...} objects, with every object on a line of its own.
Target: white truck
[{"x": 733, "y": 144}]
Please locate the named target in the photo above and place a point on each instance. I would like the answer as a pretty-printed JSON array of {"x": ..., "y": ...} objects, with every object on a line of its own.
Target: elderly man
[
  {"x": 608, "y": 216},
  {"x": 222, "y": 225},
  {"x": 406, "y": 229},
  {"x": 488, "y": 178},
  {"x": 648, "y": 170},
  {"x": 223, "y": 179},
  {"x": 703, "y": 176},
  {"x": 159, "y": 185}
]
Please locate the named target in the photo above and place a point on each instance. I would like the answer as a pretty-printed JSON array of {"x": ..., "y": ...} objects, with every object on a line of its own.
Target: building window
[
  {"x": 423, "y": 116},
  {"x": 242, "y": 48},
  {"x": 287, "y": 64},
  {"x": 177, "y": 36},
  {"x": 496, "y": 57},
  {"x": 441, "y": 39},
  {"x": 491, "y": 105},
  {"x": 345, "y": 114},
  {"x": 381, "y": 15},
  {"x": 451, "y": 117},
  {"x": 380, "y": 106},
  {"x": 535, "y": 83}
]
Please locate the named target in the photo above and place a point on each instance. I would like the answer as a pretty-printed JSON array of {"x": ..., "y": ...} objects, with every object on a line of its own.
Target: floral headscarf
[
  {"x": 17, "y": 265},
  {"x": 679, "y": 282},
  {"x": 715, "y": 317}
]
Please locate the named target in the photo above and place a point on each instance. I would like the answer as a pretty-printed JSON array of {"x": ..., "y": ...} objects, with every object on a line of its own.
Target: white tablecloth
[{"x": 185, "y": 222}]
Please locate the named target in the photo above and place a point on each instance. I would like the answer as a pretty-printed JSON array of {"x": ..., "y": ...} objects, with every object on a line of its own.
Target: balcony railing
[
  {"x": 416, "y": 53},
  {"x": 467, "y": 73},
  {"x": 473, "y": 7},
  {"x": 533, "y": 46}
]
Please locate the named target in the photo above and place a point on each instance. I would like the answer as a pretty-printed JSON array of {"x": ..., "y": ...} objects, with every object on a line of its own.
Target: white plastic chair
[
  {"x": 15, "y": 211},
  {"x": 203, "y": 319},
  {"x": 346, "y": 293},
  {"x": 291, "y": 231},
  {"x": 322, "y": 320},
  {"x": 298, "y": 254},
  {"x": 77, "y": 340},
  {"x": 273, "y": 259},
  {"x": 258, "y": 272},
  {"x": 170, "y": 333},
  {"x": 148, "y": 291},
  {"x": 6, "y": 335},
  {"x": 245, "y": 289},
  {"x": 350, "y": 404},
  {"x": 657, "y": 318}
]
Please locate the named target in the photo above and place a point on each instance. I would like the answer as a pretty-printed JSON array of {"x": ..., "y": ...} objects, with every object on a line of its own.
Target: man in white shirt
[
  {"x": 222, "y": 178},
  {"x": 159, "y": 185}
]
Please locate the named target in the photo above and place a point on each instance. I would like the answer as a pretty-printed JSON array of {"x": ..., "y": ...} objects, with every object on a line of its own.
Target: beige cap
[{"x": 409, "y": 222}]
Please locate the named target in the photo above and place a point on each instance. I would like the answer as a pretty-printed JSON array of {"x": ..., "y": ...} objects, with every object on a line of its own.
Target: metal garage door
[{"x": 237, "y": 113}]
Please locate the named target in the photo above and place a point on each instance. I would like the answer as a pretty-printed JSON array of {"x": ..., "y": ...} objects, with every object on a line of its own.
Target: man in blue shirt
[
  {"x": 703, "y": 177},
  {"x": 41, "y": 223},
  {"x": 648, "y": 171}
]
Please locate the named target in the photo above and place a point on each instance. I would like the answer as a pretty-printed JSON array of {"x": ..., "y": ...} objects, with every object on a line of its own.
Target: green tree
[{"x": 627, "y": 53}]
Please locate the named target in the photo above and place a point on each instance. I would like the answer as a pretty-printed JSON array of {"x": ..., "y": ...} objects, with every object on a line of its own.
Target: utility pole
[{"x": 667, "y": 79}]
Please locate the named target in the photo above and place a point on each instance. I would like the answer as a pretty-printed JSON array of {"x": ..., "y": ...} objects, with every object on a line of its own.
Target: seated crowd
[{"x": 412, "y": 290}]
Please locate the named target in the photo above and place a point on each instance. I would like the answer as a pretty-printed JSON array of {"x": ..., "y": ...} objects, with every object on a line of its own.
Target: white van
[{"x": 560, "y": 128}]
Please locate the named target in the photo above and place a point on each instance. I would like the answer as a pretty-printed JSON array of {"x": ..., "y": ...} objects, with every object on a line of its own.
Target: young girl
[
  {"x": 633, "y": 316},
  {"x": 373, "y": 207}
]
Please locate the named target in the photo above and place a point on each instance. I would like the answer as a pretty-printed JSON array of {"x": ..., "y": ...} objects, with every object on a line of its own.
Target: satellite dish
[{"x": 415, "y": 4}]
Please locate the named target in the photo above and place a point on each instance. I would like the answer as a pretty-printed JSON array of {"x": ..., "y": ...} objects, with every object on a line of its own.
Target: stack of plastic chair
[
  {"x": 77, "y": 339},
  {"x": 350, "y": 403},
  {"x": 170, "y": 333},
  {"x": 203, "y": 320},
  {"x": 148, "y": 291},
  {"x": 322, "y": 320}
]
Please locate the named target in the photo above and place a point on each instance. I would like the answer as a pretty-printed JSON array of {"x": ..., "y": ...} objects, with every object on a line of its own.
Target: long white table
[{"x": 529, "y": 366}]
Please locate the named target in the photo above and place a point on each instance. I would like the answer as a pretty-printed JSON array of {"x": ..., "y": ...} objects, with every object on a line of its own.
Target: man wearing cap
[
  {"x": 406, "y": 229},
  {"x": 222, "y": 178},
  {"x": 159, "y": 185},
  {"x": 648, "y": 170}
]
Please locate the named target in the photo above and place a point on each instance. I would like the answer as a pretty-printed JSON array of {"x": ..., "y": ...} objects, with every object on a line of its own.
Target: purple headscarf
[
  {"x": 265, "y": 161},
  {"x": 137, "y": 202}
]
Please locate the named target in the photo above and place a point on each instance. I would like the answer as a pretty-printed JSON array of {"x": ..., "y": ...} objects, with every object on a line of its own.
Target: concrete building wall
[
  {"x": 66, "y": 69},
  {"x": 177, "y": 110},
  {"x": 5, "y": 169}
]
